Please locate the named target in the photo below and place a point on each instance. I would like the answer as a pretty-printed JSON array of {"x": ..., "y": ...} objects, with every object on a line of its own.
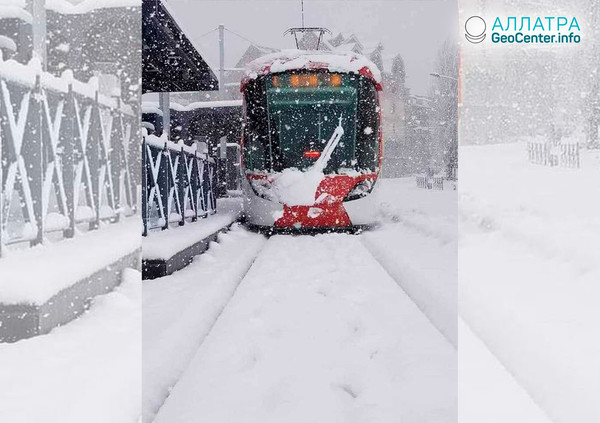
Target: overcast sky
[{"x": 414, "y": 29}]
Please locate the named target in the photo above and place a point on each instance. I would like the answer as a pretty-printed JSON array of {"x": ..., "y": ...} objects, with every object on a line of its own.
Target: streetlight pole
[
  {"x": 453, "y": 117},
  {"x": 222, "y": 61}
]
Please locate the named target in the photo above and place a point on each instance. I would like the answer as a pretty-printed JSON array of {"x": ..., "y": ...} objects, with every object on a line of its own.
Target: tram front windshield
[{"x": 291, "y": 117}]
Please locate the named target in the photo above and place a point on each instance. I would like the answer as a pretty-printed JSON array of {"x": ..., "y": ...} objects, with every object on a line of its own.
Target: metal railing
[
  {"x": 179, "y": 183},
  {"x": 64, "y": 155},
  {"x": 430, "y": 182},
  {"x": 564, "y": 155}
]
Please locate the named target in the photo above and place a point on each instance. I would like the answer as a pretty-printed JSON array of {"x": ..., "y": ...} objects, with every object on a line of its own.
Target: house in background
[{"x": 72, "y": 35}]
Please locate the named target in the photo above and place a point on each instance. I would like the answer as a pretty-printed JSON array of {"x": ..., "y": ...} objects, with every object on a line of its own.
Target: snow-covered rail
[
  {"x": 318, "y": 331},
  {"x": 65, "y": 154}
]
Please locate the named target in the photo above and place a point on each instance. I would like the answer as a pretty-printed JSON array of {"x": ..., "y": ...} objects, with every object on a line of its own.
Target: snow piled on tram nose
[
  {"x": 287, "y": 60},
  {"x": 294, "y": 187}
]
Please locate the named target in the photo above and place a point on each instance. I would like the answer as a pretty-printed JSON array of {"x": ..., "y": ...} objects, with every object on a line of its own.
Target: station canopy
[{"x": 170, "y": 63}]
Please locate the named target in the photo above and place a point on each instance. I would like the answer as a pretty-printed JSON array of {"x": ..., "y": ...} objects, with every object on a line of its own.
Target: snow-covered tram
[{"x": 312, "y": 141}]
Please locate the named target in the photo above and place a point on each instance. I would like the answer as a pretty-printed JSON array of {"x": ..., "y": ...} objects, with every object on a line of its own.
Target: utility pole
[
  {"x": 302, "y": 13},
  {"x": 165, "y": 107},
  {"x": 222, "y": 61},
  {"x": 38, "y": 11}
]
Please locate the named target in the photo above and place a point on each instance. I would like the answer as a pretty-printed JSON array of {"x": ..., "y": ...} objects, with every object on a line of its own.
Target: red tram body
[{"x": 312, "y": 140}]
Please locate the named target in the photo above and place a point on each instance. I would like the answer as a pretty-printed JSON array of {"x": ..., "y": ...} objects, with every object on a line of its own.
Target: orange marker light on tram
[{"x": 336, "y": 80}]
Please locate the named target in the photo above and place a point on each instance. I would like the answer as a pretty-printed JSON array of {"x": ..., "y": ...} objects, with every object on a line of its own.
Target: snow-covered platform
[
  {"x": 50, "y": 285},
  {"x": 166, "y": 251},
  {"x": 87, "y": 371}
]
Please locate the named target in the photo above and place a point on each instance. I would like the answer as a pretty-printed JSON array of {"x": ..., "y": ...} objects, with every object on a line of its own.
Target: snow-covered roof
[
  {"x": 152, "y": 106},
  {"x": 286, "y": 60},
  {"x": 264, "y": 49},
  {"x": 16, "y": 3},
  {"x": 326, "y": 46},
  {"x": 67, "y": 7},
  {"x": 370, "y": 48},
  {"x": 148, "y": 107},
  {"x": 206, "y": 105},
  {"x": 252, "y": 52},
  {"x": 346, "y": 47},
  {"x": 349, "y": 37},
  {"x": 7, "y": 43},
  {"x": 14, "y": 9}
]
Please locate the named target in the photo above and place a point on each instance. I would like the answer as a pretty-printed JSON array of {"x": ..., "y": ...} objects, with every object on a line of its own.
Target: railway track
[{"x": 317, "y": 329}]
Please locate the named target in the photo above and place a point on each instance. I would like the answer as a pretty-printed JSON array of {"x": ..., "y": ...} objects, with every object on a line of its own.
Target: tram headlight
[{"x": 360, "y": 190}]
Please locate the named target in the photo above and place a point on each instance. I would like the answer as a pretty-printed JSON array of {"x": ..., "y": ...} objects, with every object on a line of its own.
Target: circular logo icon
[{"x": 475, "y": 29}]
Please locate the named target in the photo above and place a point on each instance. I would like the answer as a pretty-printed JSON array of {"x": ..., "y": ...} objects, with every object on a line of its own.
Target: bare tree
[{"x": 444, "y": 116}]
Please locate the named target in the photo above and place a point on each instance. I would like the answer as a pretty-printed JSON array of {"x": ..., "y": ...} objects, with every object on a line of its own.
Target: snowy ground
[
  {"x": 86, "y": 371},
  {"x": 417, "y": 245},
  {"x": 487, "y": 391},
  {"x": 317, "y": 329},
  {"x": 529, "y": 276}
]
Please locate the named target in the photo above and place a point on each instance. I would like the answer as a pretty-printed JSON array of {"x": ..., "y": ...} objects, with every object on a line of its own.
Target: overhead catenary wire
[
  {"x": 196, "y": 38},
  {"x": 245, "y": 38},
  {"x": 206, "y": 33}
]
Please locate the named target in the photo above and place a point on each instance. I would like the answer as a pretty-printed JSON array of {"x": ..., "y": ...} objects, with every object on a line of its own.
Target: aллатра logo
[
  {"x": 525, "y": 30},
  {"x": 475, "y": 29}
]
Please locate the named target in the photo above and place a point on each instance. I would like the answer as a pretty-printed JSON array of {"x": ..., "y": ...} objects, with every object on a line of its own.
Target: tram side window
[
  {"x": 256, "y": 126},
  {"x": 367, "y": 139}
]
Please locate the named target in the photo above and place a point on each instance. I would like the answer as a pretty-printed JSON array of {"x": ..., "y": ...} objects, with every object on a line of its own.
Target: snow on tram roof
[{"x": 286, "y": 60}]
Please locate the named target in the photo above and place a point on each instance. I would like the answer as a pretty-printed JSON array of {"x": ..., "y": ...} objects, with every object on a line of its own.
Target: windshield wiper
[{"x": 333, "y": 142}]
